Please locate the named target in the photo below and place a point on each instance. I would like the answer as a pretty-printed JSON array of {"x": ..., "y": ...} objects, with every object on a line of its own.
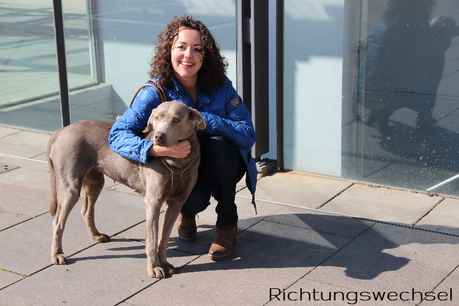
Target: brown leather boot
[
  {"x": 187, "y": 228},
  {"x": 224, "y": 242}
]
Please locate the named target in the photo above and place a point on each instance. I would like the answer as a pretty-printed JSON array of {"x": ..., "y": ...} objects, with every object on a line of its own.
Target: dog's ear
[
  {"x": 195, "y": 115},
  {"x": 150, "y": 120}
]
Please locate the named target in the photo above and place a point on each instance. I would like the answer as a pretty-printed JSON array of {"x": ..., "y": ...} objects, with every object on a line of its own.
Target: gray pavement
[{"x": 315, "y": 240}]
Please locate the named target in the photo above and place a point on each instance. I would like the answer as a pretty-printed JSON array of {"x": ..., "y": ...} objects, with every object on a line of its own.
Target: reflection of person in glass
[{"x": 404, "y": 62}]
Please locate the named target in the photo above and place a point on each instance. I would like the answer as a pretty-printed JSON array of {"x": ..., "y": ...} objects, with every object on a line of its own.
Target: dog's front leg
[
  {"x": 170, "y": 216},
  {"x": 152, "y": 209}
]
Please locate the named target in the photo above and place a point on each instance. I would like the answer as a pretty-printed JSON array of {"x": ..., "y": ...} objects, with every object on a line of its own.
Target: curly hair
[{"x": 213, "y": 70}]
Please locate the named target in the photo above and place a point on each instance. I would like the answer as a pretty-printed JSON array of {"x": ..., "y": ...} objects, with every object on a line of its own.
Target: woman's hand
[{"x": 179, "y": 150}]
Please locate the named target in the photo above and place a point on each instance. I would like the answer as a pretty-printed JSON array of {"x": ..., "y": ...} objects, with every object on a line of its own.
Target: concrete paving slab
[
  {"x": 444, "y": 217},
  {"x": 105, "y": 274},
  {"x": 268, "y": 255},
  {"x": 24, "y": 144},
  {"x": 320, "y": 221},
  {"x": 382, "y": 204},
  {"x": 37, "y": 180},
  {"x": 447, "y": 291},
  {"x": 24, "y": 200},
  {"x": 32, "y": 239},
  {"x": 41, "y": 157},
  {"x": 297, "y": 189},
  {"x": 6, "y": 131},
  {"x": 7, "y": 278},
  {"x": 27, "y": 173},
  {"x": 8, "y": 219},
  {"x": 23, "y": 175},
  {"x": 391, "y": 258},
  {"x": 26, "y": 247},
  {"x": 30, "y": 164}
]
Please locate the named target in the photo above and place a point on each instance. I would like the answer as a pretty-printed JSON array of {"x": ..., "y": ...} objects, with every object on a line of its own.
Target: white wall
[{"x": 313, "y": 85}]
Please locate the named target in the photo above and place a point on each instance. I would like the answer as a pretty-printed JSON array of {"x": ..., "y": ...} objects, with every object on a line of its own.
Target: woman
[{"x": 188, "y": 65}]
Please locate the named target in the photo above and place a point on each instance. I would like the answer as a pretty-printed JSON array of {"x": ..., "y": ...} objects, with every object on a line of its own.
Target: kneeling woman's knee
[{"x": 221, "y": 146}]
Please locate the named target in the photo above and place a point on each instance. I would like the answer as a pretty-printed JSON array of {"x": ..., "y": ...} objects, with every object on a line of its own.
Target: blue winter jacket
[{"x": 223, "y": 112}]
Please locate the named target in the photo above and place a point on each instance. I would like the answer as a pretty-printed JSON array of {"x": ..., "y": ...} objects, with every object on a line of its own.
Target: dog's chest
[{"x": 169, "y": 177}]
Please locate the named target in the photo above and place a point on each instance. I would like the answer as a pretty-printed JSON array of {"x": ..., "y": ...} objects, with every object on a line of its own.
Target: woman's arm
[
  {"x": 235, "y": 122},
  {"x": 124, "y": 136},
  {"x": 179, "y": 150}
]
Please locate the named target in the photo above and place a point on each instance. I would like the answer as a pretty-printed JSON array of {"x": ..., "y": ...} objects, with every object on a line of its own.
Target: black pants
[{"x": 220, "y": 169}]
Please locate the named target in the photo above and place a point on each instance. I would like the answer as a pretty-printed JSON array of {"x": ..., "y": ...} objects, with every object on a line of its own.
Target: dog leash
[{"x": 156, "y": 86}]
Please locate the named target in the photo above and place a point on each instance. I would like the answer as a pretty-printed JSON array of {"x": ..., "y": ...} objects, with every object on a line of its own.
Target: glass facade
[
  {"x": 370, "y": 86},
  {"x": 108, "y": 48},
  {"x": 371, "y": 91}
]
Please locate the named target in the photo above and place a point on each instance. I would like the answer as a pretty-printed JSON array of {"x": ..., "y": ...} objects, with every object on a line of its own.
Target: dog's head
[{"x": 172, "y": 122}]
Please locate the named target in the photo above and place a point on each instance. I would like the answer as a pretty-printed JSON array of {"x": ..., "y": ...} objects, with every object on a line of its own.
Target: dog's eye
[{"x": 176, "y": 119}]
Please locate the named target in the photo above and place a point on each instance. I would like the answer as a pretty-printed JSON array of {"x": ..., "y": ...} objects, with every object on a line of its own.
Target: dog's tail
[{"x": 52, "y": 174}]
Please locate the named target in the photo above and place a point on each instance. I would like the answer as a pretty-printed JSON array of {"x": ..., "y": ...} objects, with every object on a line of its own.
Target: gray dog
[{"x": 79, "y": 156}]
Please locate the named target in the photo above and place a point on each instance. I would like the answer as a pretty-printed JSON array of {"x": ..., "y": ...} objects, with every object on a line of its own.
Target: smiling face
[{"x": 186, "y": 55}]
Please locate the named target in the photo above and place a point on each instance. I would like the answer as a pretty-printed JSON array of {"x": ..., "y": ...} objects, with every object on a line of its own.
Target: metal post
[
  {"x": 61, "y": 61},
  {"x": 259, "y": 32},
  {"x": 280, "y": 83}
]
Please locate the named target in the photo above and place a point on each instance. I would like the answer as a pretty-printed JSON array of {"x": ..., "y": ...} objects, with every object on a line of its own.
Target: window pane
[
  {"x": 108, "y": 48},
  {"x": 29, "y": 79},
  {"x": 79, "y": 44},
  {"x": 124, "y": 34},
  {"x": 408, "y": 94},
  {"x": 371, "y": 91}
]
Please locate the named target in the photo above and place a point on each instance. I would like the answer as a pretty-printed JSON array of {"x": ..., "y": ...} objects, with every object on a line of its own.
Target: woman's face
[{"x": 186, "y": 55}]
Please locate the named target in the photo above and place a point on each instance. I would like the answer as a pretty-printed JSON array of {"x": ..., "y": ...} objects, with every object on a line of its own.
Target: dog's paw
[
  {"x": 157, "y": 272},
  {"x": 100, "y": 238},
  {"x": 170, "y": 269},
  {"x": 59, "y": 259}
]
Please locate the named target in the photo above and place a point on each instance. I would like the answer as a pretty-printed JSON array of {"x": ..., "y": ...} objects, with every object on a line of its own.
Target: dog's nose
[{"x": 160, "y": 137}]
